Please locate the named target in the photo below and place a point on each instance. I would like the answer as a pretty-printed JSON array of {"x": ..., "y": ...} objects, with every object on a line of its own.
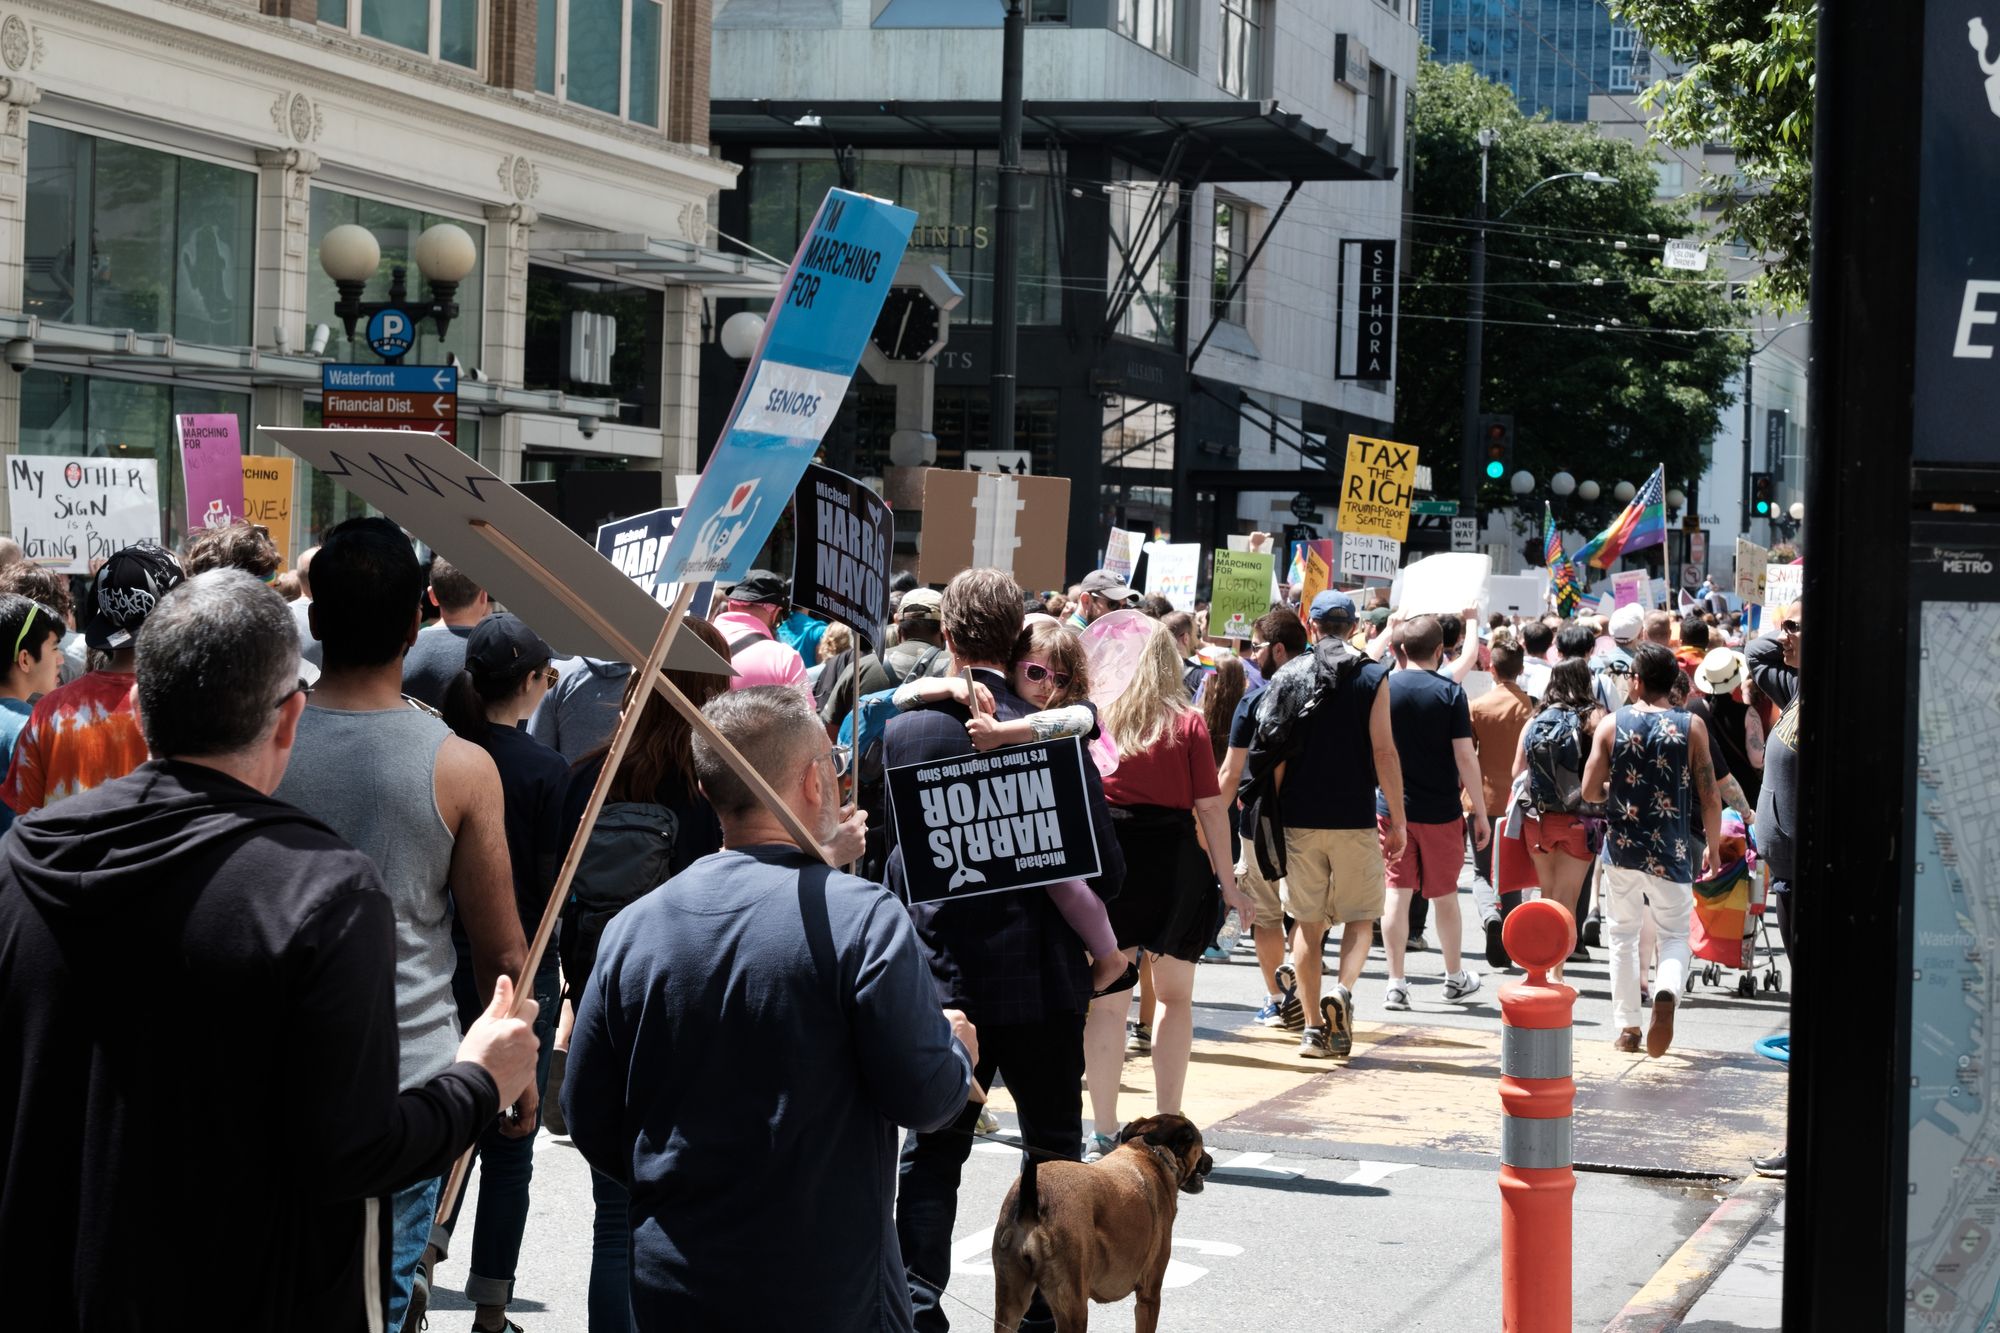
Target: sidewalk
[
  {"x": 1747, "y": 1294},
  {"x": 1727, "y": 1278}
]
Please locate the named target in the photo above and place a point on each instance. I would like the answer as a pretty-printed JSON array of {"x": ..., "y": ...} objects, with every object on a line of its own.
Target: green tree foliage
[
  {"x": 1749, "y": 84},
  {"x": 1604, "y": 405}
]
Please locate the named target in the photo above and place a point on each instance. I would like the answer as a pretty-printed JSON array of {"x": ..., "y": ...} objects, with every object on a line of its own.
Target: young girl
[
  {"x": 1051, "y": 672},
  {"x": 34, "y": 633}
]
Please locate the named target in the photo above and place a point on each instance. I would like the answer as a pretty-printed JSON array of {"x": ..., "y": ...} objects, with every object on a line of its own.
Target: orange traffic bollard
[{"x": 1537, "y": 1171}]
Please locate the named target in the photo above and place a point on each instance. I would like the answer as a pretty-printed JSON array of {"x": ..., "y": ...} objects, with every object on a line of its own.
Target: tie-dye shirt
[{"x": 79, "y": 736}]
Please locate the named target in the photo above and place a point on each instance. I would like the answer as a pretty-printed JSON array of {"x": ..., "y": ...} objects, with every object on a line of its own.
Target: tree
[
  {"x": 1749, "y": 84},
  {"x": 1589, "y": 346}
]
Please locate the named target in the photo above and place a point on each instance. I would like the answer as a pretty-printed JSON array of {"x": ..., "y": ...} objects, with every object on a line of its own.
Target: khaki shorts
[
  {"x": 1334, "y": 875},
  {"x": 1261, "y": 892}
]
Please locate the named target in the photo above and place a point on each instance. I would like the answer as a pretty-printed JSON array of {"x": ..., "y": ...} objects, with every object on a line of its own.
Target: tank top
[
  {"x": 371, "y": 778},
  {"x": 1649, "y": 804}
]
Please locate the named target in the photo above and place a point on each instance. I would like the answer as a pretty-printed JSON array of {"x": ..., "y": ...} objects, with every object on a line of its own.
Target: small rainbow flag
[
  {"x": 1643, "y": 524},
  {"x": 1562, "y": 574}
]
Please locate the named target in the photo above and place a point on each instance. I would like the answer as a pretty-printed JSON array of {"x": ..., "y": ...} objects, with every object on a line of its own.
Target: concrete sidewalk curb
[{"x": 1665, "y": 1300}]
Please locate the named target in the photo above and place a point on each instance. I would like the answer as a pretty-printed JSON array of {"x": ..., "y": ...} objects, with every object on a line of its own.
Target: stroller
[{"x": 1729, "y": 924}]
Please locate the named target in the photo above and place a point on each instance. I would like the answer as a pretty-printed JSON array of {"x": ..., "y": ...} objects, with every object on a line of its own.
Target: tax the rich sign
[
  {"x": 841, "y": 566},
  {"x": 1016, "y": 818},
  {"x": 1376, "y": 492}
]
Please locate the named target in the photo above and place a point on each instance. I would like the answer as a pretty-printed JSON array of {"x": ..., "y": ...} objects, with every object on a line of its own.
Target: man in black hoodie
[{"x": 143, "y": 1156}]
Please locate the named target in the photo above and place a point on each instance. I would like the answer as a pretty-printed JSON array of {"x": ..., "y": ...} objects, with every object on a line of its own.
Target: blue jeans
[
  {"x": 611, "y": 1257},
  {"x": 505, "y": 1165},
  {"x": 412, "y": 1209}
]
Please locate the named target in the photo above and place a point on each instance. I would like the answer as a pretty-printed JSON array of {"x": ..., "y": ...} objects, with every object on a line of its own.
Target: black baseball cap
[
  {"x": 761, "y": 585},
  {"x": 502, "y": 645},
  {"x": 124, "y": 592}
]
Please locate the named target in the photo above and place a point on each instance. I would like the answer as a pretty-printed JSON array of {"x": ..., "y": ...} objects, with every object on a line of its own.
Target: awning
[
  {"x": 623, "y": 255},
  {"x": 1219, "y": 140}
]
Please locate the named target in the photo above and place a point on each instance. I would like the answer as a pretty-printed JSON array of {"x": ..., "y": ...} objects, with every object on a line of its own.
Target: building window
[
  {"x": 1381, "y": 115},
  {"x": 396, "y": 228},
  {"x": 1232, "y": 261},
  {"x": 124, "y": 237},
  {"x": 603, "y": 54},
  {"x": 567, "y": 313},
  {"x": 1243, "y": 23},
  {"x": 1157, "y": 25},
  {"x": 961, "y": 419},
  {"x": 442, "y": 30},
  {"x": 1147, "y": 239}
]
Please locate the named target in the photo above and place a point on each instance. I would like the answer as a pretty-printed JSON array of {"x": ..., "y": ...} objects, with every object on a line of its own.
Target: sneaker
[
  {"x": 1660, "y": 1033},
  {"x": 1214, "y": 955},
  {"x": 1462, "y": 986},
  {"x": 1272, "y": 1014},
  {"x": 552, "y": 1112},
  {"x": 1396, "y": 996},
  {"x": 1772, "y": 1166},
  {"x": 988, "y": 1123},
  {"x": 1591, "y": 934},
  {"x": 1336, "y": 1013},
  {"x": 1313, "y": 1044},
  {"x": 1496, "y": 948},
  {"x": 1138, "y": 1039},
  {"x": 1416, "y": 944},
  {"x": 1291, "y": 1014},
  {"x": 1578, "y": 955},
  {"x": 1097, "y": 1146}
]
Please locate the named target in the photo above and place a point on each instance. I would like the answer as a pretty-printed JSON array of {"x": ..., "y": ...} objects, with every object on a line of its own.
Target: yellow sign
[
  {"x": 1319, "y": 575},
  {"x": 1376, "y": 492},
  {"x": 267, "y": 499}
]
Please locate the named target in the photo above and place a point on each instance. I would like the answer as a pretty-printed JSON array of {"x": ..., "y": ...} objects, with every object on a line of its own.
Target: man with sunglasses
[{"x": 1103, "y": 592}]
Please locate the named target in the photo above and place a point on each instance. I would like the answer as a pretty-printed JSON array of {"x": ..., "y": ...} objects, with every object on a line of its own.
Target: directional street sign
[
  {"x": 359, "y": 397},
  {"x": 1447, "y": 508},
  {"x": 1464, "y": 534}
]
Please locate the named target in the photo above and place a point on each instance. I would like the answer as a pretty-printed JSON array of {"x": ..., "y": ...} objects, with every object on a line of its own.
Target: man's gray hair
[
  {"x": 215, "y": 658},
  {"x": 774, "y": 725}
]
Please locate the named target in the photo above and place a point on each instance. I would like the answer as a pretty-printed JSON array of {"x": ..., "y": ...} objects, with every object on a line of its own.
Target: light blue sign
[
  {"x": 813, "y": 338},
  {"x": 391, "y": 333},
  {"x": 361, "y": 378}
]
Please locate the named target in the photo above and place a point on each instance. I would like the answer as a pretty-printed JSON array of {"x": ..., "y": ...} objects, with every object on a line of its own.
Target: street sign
[
  {"x": 1435, "y": 508},
  {"x": 1304, "y": 507},
  {"x": 1465, "y": 534},
  {"x": 419, "y": 398},
  {"x": 1685, "y": 255},
  {"x": 998, "y": 460}
]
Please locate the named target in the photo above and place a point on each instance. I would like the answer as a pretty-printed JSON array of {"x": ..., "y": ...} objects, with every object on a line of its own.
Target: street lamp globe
[
  {"x": 350, "y": 253},
  {"x": 1588, "y": 492},
  {"x": 1798, "y": 511},
  {"x": 1623, "y": 492},
  {"x": 1562, "y": 483},
  {"x": 1522, "y": 482},
  {"x": 445, "y": 253},
  {"x": 741, "y": 333},
  {"x": 1677, "y": 498}
]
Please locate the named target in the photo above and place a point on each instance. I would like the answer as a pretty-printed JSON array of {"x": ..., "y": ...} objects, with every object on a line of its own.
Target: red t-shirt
[{"x": 1176, "y": 772}]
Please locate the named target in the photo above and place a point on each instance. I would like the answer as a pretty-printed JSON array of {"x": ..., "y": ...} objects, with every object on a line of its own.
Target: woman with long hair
[
  {"x": 1163, "y": 788},
  {"x": 1218, "y": 704},
  {"x": 1562, "y": 833}
]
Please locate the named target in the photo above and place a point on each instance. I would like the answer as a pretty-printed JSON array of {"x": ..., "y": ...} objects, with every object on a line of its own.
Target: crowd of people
[{"x": 332, "y": 804}]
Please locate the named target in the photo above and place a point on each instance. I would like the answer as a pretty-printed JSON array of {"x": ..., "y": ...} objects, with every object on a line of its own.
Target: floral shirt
[{"x": 1651, "y": 797}]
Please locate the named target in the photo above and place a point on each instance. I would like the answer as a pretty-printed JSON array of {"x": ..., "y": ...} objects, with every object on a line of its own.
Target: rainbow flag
[
  {"x": 1296, "y": 575},
  {"x": 1643, "y": 524},
  {"x": 1562, "y": 574}
]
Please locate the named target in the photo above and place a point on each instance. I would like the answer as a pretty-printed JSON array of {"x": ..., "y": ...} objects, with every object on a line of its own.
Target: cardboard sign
[
  {"x": 1239, "y": 592},
  {"x": 974, "y": 519},
  {"x": 1121, "y": 554},
  {"x": 1514, "y": 595},
  {"x": 1318, "y": 573},
  {"x": 1444, "y": 584},
  {"x": 1752, "y": 561},
  {"x": 267, "y": 500},
  {"x": 211, "y": 469},
  {"x": 1173, "y": 569},
  {"x": 634, "y": 545},
  {"x": 812, "y": 343},
  {"x": 840, "y": 566},
  {"x": 1375, "y": 494},
  {"x": 505, "y": 542},
  {"x": 1008, "y": 819},
  {"x": 1630, "y": 588},
  {"x": 1368, "y": 557},
  {"x": 1656, "y": 594},
  {"x": 70, "y": 511},
  {"x": 1783, "y": 585}
]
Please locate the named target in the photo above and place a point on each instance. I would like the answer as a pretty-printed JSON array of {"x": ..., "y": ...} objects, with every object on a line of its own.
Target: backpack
[
  {"x": 1554, "y": 743},
  {"x": 1292, "y": 696},
  {"x": 628, "y": 856}
]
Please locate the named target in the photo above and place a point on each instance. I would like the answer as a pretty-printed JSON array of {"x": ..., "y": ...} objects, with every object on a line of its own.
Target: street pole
[
  {"x": 1475, "y": 342},
  {"x": 1749, "y": 369},
  {"x": 1006, "y": 211}
]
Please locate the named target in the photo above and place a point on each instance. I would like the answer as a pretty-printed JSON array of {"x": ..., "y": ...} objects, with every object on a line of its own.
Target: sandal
[{"x": 1124, "y": 983}]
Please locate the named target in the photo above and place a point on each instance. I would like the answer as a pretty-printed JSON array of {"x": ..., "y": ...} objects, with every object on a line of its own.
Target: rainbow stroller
[{"x": 1729, "y": 925}]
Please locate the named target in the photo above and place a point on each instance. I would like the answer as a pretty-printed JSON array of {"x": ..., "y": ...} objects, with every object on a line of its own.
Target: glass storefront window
[
  {"x": 125, "y": 237},
  {"x": 396, "y": 228},
  {"x": 638, "y": 314}
]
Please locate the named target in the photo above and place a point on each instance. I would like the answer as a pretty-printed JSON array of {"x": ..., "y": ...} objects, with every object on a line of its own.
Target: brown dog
[{"x": 1096, "y": 1233}]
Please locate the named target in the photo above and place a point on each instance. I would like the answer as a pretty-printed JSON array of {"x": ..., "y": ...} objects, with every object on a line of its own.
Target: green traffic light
[
  {"x": 1495, "y": 468},
  {"x": 1763, "y": 506}
]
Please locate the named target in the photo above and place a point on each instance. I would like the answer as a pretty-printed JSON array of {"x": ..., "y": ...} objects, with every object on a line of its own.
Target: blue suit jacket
[{"x": 1001, "y": 957}]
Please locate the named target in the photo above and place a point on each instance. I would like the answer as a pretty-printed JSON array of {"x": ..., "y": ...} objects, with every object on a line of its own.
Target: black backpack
[
  {"x": 630, "y": 853},
  {"x": 1554, "y": 745}
]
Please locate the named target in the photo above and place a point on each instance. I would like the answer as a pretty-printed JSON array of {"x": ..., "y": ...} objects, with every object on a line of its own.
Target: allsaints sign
[
  {"x": 1365, "y": 332},
  {"x": 1015, "y": 818}
]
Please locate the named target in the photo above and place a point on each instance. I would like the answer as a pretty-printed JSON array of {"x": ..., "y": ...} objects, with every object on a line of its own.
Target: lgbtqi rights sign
[
  {"x": 70, "y": 511},
  {"x": 1239, "y": 592},
  {"x": 1376, "y": 492}
]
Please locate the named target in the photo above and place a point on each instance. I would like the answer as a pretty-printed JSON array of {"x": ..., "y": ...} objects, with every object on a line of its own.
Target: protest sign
[
  {"x": 1752, "y": 561},
  {"x": 211, "y": 469},
  {"x": 840, "y": 565},
  {"x": 1015, "y": 818},
  {"x": 506, "y": 543},
  {"x": 70, "y": 511},
  {"x": 812, "y": 343},
  {"x": 267, "y": 500},
  {"x": 1121, "y": 554},
  {"x": 1656, "y": 594},
  {"x": 1173, "y": 569},
  {"x": 1375, "y": 494},
  {"x": 974, "y": 519},
  {"x": 1318, "y": 573},
  {"x": 1363, "y": 556},
  {"x": 1783, "y": 585},
  {"x": 1444, "y": 584},
  {"x": 1239, "y": 592},
  {"x": 1606, "y": 604},
  {"x": 634, "y": 545},
  {"x": 1629, "y": 588},
  {"x": 1514, "y": 595}
]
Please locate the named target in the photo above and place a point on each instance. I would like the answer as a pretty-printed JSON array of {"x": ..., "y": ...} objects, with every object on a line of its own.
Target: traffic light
[
  {"x": 1496, "y": 439},
  {"x": 1763, "y": 495}
]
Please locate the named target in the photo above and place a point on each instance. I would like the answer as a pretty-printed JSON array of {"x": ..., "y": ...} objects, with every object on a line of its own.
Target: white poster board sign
[
  {"x": 1121, "y": 553},
  {"x": 1365, "y": 556},
  {"x": 1444, "y": 584},
  {"x": 71, "y": 511},
  {"x": 1514, "y": 595},
  {"x": 1783, "y": 585},
  {"x": 1172, "y": 571}
]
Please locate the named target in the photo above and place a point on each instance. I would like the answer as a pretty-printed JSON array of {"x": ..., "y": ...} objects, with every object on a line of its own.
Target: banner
[
  {"x": 974, "y": 519},
  {"x": 1318, "y": 559},
  {"x": 1375, "y": 494},
  {"x": 1239, "y": 593},
  {"x": 70, "y": 511},
  {"x": 1367, "y": 557},
  {"x": 1121, "y": 554},
  {"x": 1783, "y": 585},
  {"x": 1515, "y": 595},
  {"x": 1445, "y": 584},
  {"x": 1016, "y": 818},
  {"x": 1630, "y": 588},
  {"x": 1752, "y": 561},
  {"x": 840, "y": 565},
  {"x": 267, "y": 500},
  {"x": 211, "y": 469},
  {"x": 1173, "y": 569},
  {"x": 635, "y": 546},
  {"x": 812, "y": 343}
]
